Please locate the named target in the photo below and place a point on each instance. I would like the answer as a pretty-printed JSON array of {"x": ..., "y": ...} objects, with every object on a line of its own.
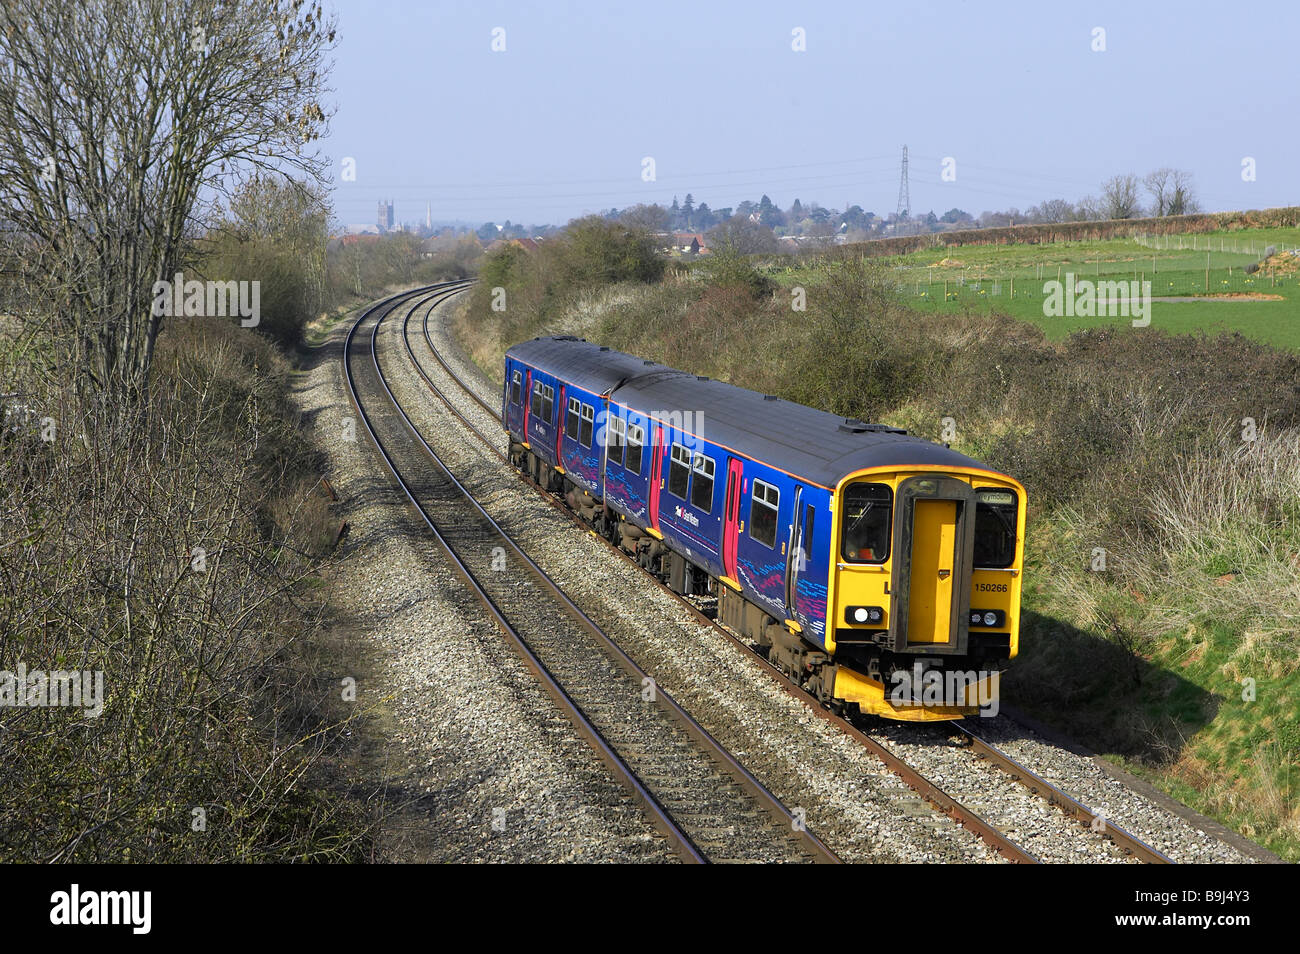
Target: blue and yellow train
[{"x": 872, "y": 566}]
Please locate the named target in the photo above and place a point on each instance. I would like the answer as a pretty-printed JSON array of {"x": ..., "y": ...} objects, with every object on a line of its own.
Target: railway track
[
  {"x": 708, "y": 806},
  {"x": 979, "y": 748},
  {"x": 1072, "y": 807}
]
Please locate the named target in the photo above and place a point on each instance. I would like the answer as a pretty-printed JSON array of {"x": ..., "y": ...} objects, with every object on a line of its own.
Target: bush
[
  {"x": 171, "y": 558},
  {"x": 595, "y": 251}
]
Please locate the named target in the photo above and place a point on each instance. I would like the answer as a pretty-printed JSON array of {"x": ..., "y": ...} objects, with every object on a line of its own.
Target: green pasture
[{"x": 1012, "y": 279}]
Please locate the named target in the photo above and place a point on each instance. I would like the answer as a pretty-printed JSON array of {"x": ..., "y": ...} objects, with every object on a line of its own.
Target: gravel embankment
[
  {"x": 1180, "y": 839},
  {"x": 477, "y": 762}
]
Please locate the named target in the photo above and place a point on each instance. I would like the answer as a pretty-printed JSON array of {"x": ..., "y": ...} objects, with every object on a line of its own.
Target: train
[{"x": 879, "y": 570}]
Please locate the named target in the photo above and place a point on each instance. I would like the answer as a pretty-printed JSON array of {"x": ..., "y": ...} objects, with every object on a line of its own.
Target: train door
[
  {"x": 731, "y": 516},
  {"x": 605, "y": 435},
  {"x": 656, "y": 473},
  {"x": 528, "y": 401},
  {"x": 797, "y": 552},
  {"x": 516, "y": 400},
  {"x": 934, "y": 539},
  {"x": 559, "y": 429}
]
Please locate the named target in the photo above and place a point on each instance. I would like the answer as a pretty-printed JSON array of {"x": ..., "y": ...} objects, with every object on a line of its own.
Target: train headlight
[
  {"x": 990, "y": 619},
  {"x": 864, "y": 615},
  {"x": 987, "y": 617}
]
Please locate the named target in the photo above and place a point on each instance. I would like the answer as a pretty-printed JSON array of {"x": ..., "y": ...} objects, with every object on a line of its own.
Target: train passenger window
[
  {"x": 679, "y": 471},
  {"x": 702, "y": 489},
  {"x": 635, "y": 441},
  {"x": 585, "y": 428},
  {"x": 537, "y": 400},
  {"x": 995, "y": 528},
  {"x": 865, "y": 531},
  {"x": 762, "y": 513},
  {"x": 516, "y": 386},
  {"x": 571, "y": 419},
  {"x": 616, "y": 435},
  {"x": 548, "y": 404}
]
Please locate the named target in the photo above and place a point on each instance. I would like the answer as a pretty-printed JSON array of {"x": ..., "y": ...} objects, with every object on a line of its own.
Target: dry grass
[{"x": 175, "y": 556}]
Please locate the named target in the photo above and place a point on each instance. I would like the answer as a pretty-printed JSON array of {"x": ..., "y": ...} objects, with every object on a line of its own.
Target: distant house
[
  {"x": 447, "y": 241},
  {"x": 360, "y": 238},
  {"x": 527, "y": 244},
  {"x": 689, "y": 243}
]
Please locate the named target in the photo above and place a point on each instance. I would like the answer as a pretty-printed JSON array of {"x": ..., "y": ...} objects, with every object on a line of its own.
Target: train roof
[
  {"x": 815, "y": 445},
  {"x": 591, "y": 367}
]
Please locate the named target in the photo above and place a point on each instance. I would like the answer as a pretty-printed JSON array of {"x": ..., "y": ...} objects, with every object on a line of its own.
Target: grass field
[{"x": 1012, "y": 279}]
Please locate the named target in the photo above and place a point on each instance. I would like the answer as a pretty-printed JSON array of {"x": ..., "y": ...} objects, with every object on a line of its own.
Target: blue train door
[
  {"x": 515, "y": 400},
  {"x": 801, "y": 541}
]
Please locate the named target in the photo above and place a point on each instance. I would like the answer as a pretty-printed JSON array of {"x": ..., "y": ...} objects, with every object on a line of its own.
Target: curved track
[
  {"x": 979, "y": 748},
  {"x": 696, "y": 793}
]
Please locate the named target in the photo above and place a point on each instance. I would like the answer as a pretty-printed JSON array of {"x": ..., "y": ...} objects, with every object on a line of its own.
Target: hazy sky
[{"x": 558, "y": 124}]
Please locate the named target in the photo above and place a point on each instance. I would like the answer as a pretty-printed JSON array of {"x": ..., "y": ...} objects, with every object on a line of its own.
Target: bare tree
[
  {"x": 293, "y": 218},
  {"x": 1119, "y": 197},
  {"x": 1056, "y": 210},
  {"x": 1158, "y": 183},
  {"x": 1171, "y": 192},
  {"x": 1182, "y": 199},
  {"x": 1089, "y": 209},
  {"x": 122, "y": 124}
]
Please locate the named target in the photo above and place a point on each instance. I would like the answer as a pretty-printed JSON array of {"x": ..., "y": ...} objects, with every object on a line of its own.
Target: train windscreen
[
  {"x": 995, "y": 529},
  {"x": 866, "y": 523}
]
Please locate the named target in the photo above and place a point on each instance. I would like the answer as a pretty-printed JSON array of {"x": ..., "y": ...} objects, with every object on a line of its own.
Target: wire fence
[
  {"x": 1207, "y": 243},
  {"x": 1167, "y": 279}
]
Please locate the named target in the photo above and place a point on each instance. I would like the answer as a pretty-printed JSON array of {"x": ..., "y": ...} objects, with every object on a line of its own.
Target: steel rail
[
  {"x": 751, "y": 785},
  {"x": 621, "y": 771},
  {"x": 1070, "y": 806}
]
